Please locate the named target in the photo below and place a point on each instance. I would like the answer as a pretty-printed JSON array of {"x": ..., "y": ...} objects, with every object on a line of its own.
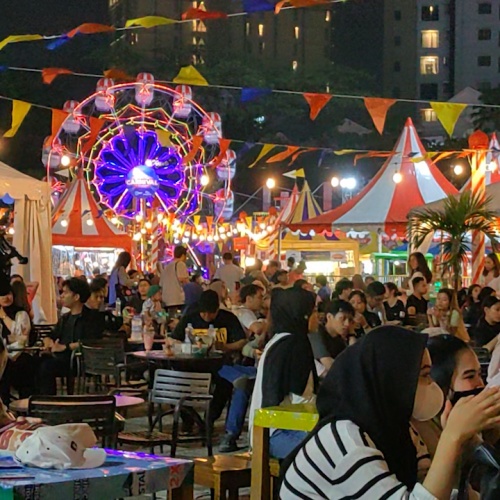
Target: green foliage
[{"x": 488, "y": 119}]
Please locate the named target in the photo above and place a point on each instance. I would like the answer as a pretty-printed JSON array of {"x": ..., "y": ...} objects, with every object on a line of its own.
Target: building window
[
  {"x": 484, "y": 8},
  {"x": 430, "y": 39},
  {"x": 428, "y": 115},
  {"x": 262, "y": 46},
  {"x": 429, "y": 65},
  {"x": 295, "y": 65},
  {"x": 261, "y": 30},
  {"x": 328, "y": 16},
  {"x": 397, "y": 66},
  {"x": 247, "y": 29},
  {"x": 397, "y": 15},
  {"x": 429, "y": 91},
  {"x": 397, "y": 41},
  {"x": 296, "y": 32},
  {"x": 484, "y": 61},
  {"x": 430, "y": 13},
  {"x": 484, "y": 34}
]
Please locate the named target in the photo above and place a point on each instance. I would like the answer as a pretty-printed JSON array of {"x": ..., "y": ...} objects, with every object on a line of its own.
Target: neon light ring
[{"x": 131, "y": 140}]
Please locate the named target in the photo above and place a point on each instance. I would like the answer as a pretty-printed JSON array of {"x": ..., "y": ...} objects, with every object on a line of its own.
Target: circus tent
[
  {"x": 384, "y": 204},
  {"x": 79, "y": 222}
]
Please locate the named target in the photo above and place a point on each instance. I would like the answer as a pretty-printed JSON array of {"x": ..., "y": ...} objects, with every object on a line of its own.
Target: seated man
[
  {"x": 416, "y": 305},
  {"x": 209, "y": 313},
  {"x": 79, "y": 324}
]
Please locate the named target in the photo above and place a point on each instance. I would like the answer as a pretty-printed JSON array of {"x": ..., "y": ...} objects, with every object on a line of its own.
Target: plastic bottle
[
  {"x": 136, "y": 328},
  {"x": 187, "y": 345},
  {"x": 118, "y": 307}
]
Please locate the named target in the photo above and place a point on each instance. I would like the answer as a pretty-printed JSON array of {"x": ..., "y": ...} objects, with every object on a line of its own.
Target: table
[
  {"x": 122, "y": 401},
  {"x": 141, "y": 341},
  {"x": 288, "y": 417},
  {"x": 123, "y": 474},
  {"x": 182, "y": 362}
]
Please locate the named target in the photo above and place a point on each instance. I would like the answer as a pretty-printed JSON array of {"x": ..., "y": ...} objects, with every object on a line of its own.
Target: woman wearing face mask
[
  {"x": 363, "y": 447},
  {"x": 488, "y": 327}
]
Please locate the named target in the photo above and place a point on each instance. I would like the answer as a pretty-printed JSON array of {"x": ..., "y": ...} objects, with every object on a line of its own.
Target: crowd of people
[{"x": 397, "y": 383}]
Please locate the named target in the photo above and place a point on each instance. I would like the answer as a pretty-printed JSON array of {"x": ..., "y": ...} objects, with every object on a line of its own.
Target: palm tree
[{"x": 459, "y": 216}]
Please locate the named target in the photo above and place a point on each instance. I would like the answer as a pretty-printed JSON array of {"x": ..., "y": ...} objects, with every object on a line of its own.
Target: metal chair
[
  {"x": 97, "y": 411},
  {"x": 181, "y": 391},
  {"x": 39, "y": 332}
]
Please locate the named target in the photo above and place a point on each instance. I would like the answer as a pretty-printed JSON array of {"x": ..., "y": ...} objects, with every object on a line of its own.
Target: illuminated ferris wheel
[{"x": 145, "y": 145}]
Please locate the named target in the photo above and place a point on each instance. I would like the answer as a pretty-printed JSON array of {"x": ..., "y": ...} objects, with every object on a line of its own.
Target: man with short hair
[
  {"x": 79, "y": 324},
  {"x": 324, "y": 292},
  {"x": 282, "y": 279},
  {"x": 343, "y": 289},
  {"x": 416, "y": 304},
  {"x": 229, "y": 273},
  {"x": 375, "y": 295},
  {"x": 173, "y": 278},
  {"x": 271, "y": 270}
]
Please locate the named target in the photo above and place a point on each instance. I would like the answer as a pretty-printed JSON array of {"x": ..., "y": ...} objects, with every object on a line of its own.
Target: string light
[
  {"x": 270, "y": 183},
  {"x": 397, "y": 177},
  {"x": 65, "y": 160},
  {"x": 458, "y": 169}
]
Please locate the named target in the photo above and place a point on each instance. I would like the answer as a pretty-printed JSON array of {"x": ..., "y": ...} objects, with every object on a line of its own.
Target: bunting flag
[
  {"x": 295, "y": 174},
  {"x": 223, "y": 147},
  {"x": 316, "y": 102},
  {"x": 210, "y": 220},
  {"x": 372, "y": 154},
  {"x": 55, "y": 44},
  {"x": 19, "y": 111},
  {"x": 298, "y": 4},
  {"x": 189, "y": 75},
  {"x": 298, "y": 153},
  {"x": 378, "y": 108},
  {"x": 442, "y": 155},
  {"x": 263, "y": 152},
  {"x": 95, "y": 127},
  {"x": 118, "y": 75},
  {"x": 290, "y": 150},
  {"x": 251, "y": 94},
  {"x": 149, "y": 21},
  {"x": 19, "y": 38},
  {"x": 194, "y": 13},
  {"x": 49, "y": 74},
  {"x": 90, "y": 29},
  {"x": 448, "y": 114},
  {"x": 197, "y": 142},
  {"x": 164, "y": 137},
  {"x": 257, "y": 5},
  {"x": 58, "y": 117},
  {"x": 196, "y": 220},
  {"x": 249, "y": 221},
  {"x": 341, "y": 152}
]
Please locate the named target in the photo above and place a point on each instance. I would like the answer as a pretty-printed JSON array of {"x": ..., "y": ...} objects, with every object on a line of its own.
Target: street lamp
[
  {"x": 335, "y": 182},
  {"x": 205, "y": 180},
  {"x": 458, "y": 169},
  {"x": 270, "y": 183},
  {"x": 348, "y": 183}
]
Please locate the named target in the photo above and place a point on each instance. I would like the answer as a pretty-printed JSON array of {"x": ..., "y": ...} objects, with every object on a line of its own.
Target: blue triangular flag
[
  {"x": 251, "y": 94},
  {"x": 55, "y": 44},
  {"x": 257, "y": 5}
]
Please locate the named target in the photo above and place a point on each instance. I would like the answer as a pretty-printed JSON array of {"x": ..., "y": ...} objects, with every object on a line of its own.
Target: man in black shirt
[
  {"x": 416, "y": 305},
  {"x": 80, "y": 324}
]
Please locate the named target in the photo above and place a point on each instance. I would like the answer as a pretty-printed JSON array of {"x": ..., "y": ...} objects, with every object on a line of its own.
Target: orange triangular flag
[
  {"x": 49, "y": 74},
  {"x": 196, "y": 145},
  {"x": 223, "y": 147},
  {"x": 118, "y": 75},
  {"x": 316, "y": 102},
  {"x": 95, "y": 127},
  {"x": 89, "y": 29},
  {"x": 378, "y": 107},
  {"x": 290, "y": 150},
  {"x": 210, "y": 220},
  {"x": 298, "y": 153},
  {"x": 58, "y": 117}
]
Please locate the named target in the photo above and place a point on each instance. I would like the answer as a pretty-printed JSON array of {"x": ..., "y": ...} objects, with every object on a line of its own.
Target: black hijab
[
  {"x": 289, "y": 361},
  {"x": 373, "y": 384}
]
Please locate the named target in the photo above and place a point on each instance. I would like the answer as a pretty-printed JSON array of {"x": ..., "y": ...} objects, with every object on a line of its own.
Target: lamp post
[
  {"x": 347, "y": 186},
  {"x": 267, "y": 195}
]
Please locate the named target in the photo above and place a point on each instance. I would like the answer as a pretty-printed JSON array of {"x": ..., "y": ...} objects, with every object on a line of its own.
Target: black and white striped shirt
[{"x": 341, "y": 462}]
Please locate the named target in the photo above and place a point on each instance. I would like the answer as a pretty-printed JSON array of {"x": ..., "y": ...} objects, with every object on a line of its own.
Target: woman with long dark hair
[
  {"x": 119, "y": 279},
  {"x": 363, "y": 447},
  {"x": 418, "y": 267},
  {"x": 488, "y": 328},
  {"x": 21, "y": 298},
  {"x": 395, "y": 309},
  {"x": 491, "y": 269}
]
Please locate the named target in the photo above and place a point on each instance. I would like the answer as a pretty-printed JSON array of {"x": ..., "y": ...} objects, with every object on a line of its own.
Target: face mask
[{"x": 429, "y": 400}]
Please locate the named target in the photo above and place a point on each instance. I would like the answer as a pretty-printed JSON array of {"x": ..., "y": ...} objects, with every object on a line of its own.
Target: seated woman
[
  {"x": 447, "y": 316},
  {"x": 334, "y": 334},
  {"x": 488, "y": 327},
  {"x": 363, "y": 447},
  {"x": 395, "y": 310},
  {"x": 286, "y": 371},
  {"x": 364, "y": 319},
  {"x": 472, "y": 307}
]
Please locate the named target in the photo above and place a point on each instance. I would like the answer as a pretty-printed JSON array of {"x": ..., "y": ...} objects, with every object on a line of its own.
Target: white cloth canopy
[{"x": 32, "y": 237}]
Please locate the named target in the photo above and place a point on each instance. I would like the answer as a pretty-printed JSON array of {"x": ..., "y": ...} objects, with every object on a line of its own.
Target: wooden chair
[
  {"x": 180, "y": 391},
  {"x": 97, "y": 411}
]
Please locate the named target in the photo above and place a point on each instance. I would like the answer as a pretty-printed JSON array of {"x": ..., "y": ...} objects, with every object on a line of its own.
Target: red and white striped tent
[
  {"x": 79, "y": 222},
  {"x": 493, "y": 161},
  {"x": 384, "y": 204}
]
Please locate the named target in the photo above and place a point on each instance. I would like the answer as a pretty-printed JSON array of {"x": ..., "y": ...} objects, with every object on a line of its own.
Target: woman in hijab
[
  {"x": 363, "y": 447},
  {"x": 286, "y": 371}
]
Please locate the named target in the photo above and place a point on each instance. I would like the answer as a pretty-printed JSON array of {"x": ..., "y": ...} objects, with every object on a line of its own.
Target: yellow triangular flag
[
  {"x": 263, "y": 152},
  {"x": 19, "y": 38},
  {"x": 249, "y": 221},
  {"x": 300, "y": 173},
  {"x": 164, "y": 137},
  {"x": 19, "y": 111},
  {"x": 448, "y": 114},
  {"x": 196, "y": 220},
  {"x": 189, "y": 75},
  {"x": 149, "y": 21}
]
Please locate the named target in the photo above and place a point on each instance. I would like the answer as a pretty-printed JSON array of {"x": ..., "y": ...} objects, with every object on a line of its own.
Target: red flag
[
  {"x": 95, "y": 127},
  {"x": 290, "y": 150},
  {"x": 58, "y": 117},
  {"x": 193, "y": 13},
  {"x": 118, "y": 75},
  {"x": 223, "y": 147},
  {"x": 197, "y": 142},
  {"x": 378, "y": 107},
  {"x": 316, "y": 102},
  {"x": 49, "y": 74},
  {"x": 89, "y": 29}
]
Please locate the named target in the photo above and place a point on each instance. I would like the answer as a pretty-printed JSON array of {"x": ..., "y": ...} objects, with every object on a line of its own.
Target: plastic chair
[
  {"x": 181, "y": 391},
  {"x": 97, "y": 411}
]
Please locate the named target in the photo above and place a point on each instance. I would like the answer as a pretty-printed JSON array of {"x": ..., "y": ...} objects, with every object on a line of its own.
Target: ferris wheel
[{"x": 144, "y": 144}]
